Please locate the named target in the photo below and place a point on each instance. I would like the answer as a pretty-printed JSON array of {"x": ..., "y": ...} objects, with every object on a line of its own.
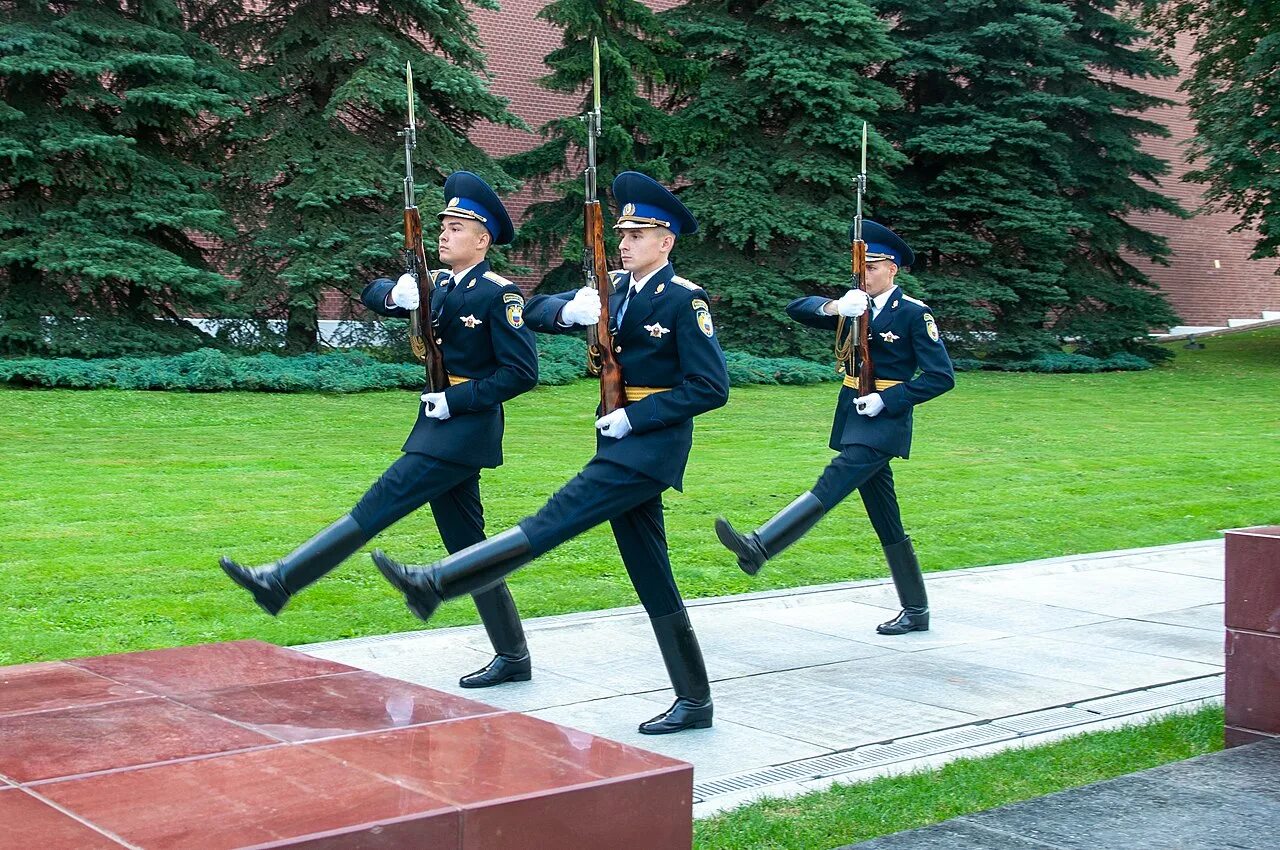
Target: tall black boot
[
  {"x": 680, "y": 652},
  {"x": 469, "y": 570},
  {"x": 909, "y": 582},
  {"x": 502, "y": 623},
  {"x": 786, "y": 527},
  {"x": 273, "y": 584}
]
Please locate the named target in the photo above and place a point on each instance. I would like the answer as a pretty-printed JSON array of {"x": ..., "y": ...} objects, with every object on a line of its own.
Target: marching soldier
[
  {"x": 674, "y": 370},
  {"x": 869, "y": 430},
  {"x": 491, "y": 357}
]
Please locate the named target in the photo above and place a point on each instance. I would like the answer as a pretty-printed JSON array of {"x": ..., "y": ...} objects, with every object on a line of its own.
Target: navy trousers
[
  {"x": 632, "y": 503},
  {"x": 866, "y": 470}
]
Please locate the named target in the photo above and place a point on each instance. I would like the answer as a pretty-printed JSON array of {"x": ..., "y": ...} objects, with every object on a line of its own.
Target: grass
[
  {"x": 845, "y": 814},
  {"x": 118, "y": 504}
]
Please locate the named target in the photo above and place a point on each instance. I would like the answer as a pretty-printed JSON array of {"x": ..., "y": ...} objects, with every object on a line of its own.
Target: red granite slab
[
  {"x": 71, "y": 741},
  {"x": 253, "y": 747},
  {"x": 190, "y": 669},
  {"x": 328, "y": 706},
  {"x": 1234, "y": 736},
  {"x": 1253, "y": 681},
  {"x": 526, "y": 783},
  {"x": 39, "y": 687},
  {"x": 1253, "y": 579},
  {"x": 289, "y": 796},
  {"x": 27, "y": 823}
]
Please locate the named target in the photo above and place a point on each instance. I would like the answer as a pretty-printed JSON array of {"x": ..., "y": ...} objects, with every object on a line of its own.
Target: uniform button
[
  {"x": 439, "y": 341},
  {"x": 618, "y": 349}
]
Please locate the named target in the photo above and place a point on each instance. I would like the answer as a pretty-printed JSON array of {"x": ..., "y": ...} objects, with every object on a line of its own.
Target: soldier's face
[
  {"x": 646, "y": 249},
  {"x": 462, "y": 242},
  {"x": 880, "y": 276}
]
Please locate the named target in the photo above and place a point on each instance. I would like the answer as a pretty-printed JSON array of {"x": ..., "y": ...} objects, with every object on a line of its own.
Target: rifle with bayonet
[
  {"x": 860, "y": 334},
  {"x": 422, "y": 336},
  {"x": 601, "y": 359}
]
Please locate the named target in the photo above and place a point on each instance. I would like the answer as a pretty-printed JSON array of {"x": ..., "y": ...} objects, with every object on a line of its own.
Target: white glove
[
  {"x": 852, "y": 304},
  {"x": 868, "y": 405},
  {"x": 405, "y": 293},
  {"x": 615, "y": 424},
  {"x": 584, "y": 309},
  {"x": 437, "y": 406}
]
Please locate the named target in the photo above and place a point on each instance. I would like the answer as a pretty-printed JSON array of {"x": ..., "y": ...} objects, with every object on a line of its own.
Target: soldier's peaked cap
[
  {"x": 646, "y": 203},
  {"x": 468, "y": 196},
  {"x": 884, "y": 244}
]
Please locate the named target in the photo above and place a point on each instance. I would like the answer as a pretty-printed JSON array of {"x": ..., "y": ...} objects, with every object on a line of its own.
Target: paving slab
[
  {"x": 1218, "y": 801},
  {"x": 800, "y": 675}
]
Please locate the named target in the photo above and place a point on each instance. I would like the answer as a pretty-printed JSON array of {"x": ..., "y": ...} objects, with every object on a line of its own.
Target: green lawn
[
  {"x": 845, "y": 814},
  {"x": 118, "y": 504}
]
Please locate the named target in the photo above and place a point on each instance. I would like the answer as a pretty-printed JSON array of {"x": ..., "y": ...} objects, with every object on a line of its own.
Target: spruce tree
[
  {"x": 982, "y": 200},
  {"x": 314, "y": 171},
  {"x": 103, "y": 199},
  {"x": 1234, "y": 97},
  {"x": 770, "y": 146},
  {"x": 1111, "y": 302},
  {"x": 1023, "y": 142},
  {"x": 643, "y": 70}
]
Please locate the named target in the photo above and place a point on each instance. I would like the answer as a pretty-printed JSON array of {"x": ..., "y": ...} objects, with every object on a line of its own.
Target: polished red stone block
[
  {"x": 246, "y": 745},
  {"x": 71, "y": 741},
  {"x": 284, "y": 794},
  {"x": 328, "y": 706},
  {"x": 191, "y": 669},
  {"x": 27, "y": 823},
  {"x": 1237, "y": 737},
  {"x": 40, "y": 687},
  {"x": 1253, "y": 681},
  {"x": 1253, "y": 579}
]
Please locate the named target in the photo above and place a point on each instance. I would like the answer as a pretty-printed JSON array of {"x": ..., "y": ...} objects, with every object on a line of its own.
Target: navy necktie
[
  {"x": 437, "y": 308},
  {"x": 622, "y": 309}
]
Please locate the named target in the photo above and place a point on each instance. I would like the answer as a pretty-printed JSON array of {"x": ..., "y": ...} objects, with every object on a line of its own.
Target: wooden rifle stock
[
  {"x": 866, "y": 371},
  {"x": 422, "y": 336},
  {"x": 604, "y": 360}
]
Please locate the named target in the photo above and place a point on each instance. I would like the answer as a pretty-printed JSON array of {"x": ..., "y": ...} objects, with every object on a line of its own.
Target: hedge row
[{"x": 560, "y": 361}]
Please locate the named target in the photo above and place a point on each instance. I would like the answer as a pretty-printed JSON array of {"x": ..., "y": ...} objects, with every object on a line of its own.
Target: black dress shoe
[
  {"x": 683, "y": 714},
  {"x": 262, "y": 582},
  {"x": 909, "y": 620},
  {"x": 500, "y": 669}
]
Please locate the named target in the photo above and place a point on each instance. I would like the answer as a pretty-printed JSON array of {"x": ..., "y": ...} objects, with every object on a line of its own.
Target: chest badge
[
  {"x": 890, "y": 336},
  {"x": 471, "y": 321},
  {"x": 657, "y": 330}
]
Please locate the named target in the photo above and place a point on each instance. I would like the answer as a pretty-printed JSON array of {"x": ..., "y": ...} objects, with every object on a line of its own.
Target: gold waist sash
[
  {"x": 852, "y": 383},
  {"x": 637, "y": 393},
  {"x": 454, "y": 380}
]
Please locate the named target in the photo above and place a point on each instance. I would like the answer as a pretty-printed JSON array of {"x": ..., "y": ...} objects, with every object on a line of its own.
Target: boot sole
[
  {"x": 729, "y": 539},
  {"x": 272, "y": 606},
  {"x": 519, "y": 677},
  {"x": 697, "y": 724}
]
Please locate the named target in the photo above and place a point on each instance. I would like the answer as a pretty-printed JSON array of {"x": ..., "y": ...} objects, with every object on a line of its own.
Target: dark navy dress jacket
[
  {"x": 482, "y": 331},
  {"x": 666, "y": 340},
  {"x": 904, "y": 341}
]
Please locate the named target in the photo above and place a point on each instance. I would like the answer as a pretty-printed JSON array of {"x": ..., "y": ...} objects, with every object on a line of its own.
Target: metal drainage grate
[
  {"x": 1157, "y": 697},
  {"x": 1046, "y": 720},
  {"x": 964, "y": 737},
  {"x": 868, "y": 755}
]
